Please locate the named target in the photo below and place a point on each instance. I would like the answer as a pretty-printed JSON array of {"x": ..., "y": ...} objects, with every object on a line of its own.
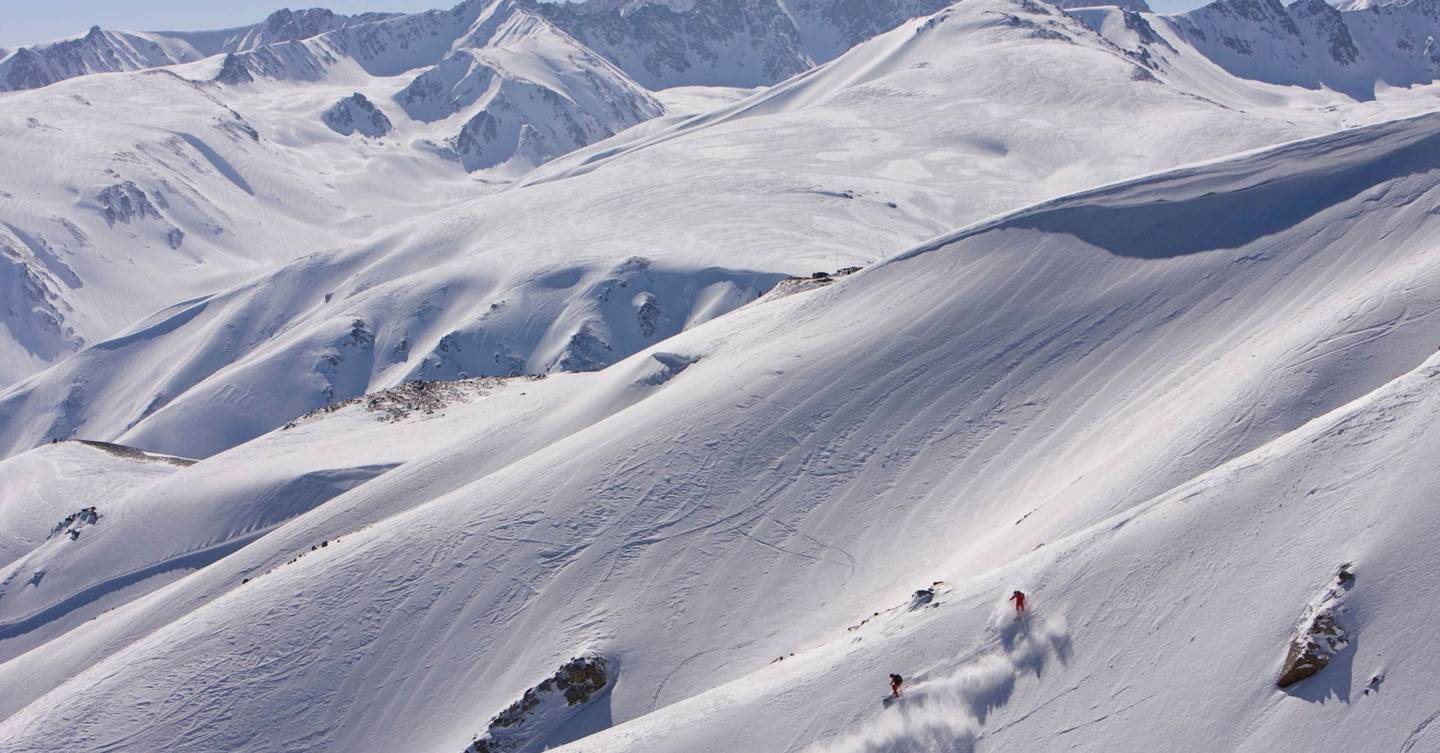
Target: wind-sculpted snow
[{"x": 1130, "y": 438}]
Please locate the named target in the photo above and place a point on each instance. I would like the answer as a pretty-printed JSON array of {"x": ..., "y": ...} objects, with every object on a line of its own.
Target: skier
[
  {"x": 895, "y": 682},
  {"x": 1019, "y": 598}
]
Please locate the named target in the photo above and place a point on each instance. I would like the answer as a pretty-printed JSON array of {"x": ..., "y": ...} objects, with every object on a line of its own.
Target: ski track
[{"x": 944, "y": 708}]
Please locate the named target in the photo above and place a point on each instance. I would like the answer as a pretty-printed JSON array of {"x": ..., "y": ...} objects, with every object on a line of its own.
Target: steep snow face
[
  {"x": 148, "y": 531},
  {"x": 104, "y": 51},
  {"x": 1126, "y": 402},
  {"x": 527, "y": 93}
]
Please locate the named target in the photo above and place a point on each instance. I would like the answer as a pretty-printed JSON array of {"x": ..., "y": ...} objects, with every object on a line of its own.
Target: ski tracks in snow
[{"x": 945, "y": 709}]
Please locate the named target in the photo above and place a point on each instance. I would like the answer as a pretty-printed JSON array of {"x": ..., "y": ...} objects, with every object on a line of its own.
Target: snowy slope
[
  {"x": 112, "y": 207},
  {"x": 40, "y": 488},
  {"x": 500, "y": 86},
  {"x": 942, "y": 121},
  {"x": 1129, "y": 402},
  {"x": 126, "y": 194}
]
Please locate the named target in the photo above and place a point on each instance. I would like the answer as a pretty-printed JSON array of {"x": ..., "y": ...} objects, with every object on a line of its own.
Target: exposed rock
[
  {"x": 356, "y": 114},
  {"x": 648, "y": 314},
  {"x": 126, "y": 202},
  {"x": 1320, "y": 635},
  {"x": 75, "y": 521},
  {"x": 585, "y": 352},
  {"x": 545, "y": 707},
  {"x": 422, "y": 397}
]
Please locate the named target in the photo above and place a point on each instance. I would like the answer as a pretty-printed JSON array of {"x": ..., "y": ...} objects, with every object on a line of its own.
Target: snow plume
[{"x": 943, "y": 710}]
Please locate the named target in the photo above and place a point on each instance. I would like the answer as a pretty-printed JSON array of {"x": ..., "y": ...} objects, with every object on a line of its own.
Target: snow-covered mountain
[
  {"x": 1309, "y": 43},
  {"x": 661, "y": 375},
  {"x": 569, "y": 284},
  {"x": 496, "y": 87},
  {"x": 105, "y": 51},
  {"x": 526, "y": 93},
  {"x": 727, "y": 42}
]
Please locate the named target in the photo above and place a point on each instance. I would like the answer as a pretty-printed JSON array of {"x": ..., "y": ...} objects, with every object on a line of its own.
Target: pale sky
[{"x": 25, "y": 22}]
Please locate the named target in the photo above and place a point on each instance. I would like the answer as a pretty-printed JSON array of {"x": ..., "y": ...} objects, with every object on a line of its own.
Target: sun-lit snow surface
[
  {"x": 123, "y": 194},
  {"x": 1168, "y": 409},
  {"x": 113, "y": 207},
  {"x": 40, "y": 488},
  {"x": 944, "y": 120}
]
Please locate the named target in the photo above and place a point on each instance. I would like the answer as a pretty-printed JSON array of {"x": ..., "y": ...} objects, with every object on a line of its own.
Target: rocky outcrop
[
  {"x": 526, "y": 723},
  {"x": 125, "y": 203},
  {"x": 73, "y": 523},
  {"x": 356, "y": 114},
  {"x": 586, "y": 351},
  {"x": 1321, "y": 634}
]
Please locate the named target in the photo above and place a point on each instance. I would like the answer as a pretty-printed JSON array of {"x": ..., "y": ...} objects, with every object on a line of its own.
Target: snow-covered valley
[{"x": 460, "y": 379}]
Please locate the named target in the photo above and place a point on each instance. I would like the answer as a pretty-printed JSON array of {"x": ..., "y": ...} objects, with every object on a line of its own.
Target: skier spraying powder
[
  {"x": 1019, "y": 598},
  {"x": 895, "y": 682}
]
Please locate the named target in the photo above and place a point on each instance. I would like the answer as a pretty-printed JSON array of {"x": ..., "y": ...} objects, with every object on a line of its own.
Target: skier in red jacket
[{"x": 1019, "y": 598}]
